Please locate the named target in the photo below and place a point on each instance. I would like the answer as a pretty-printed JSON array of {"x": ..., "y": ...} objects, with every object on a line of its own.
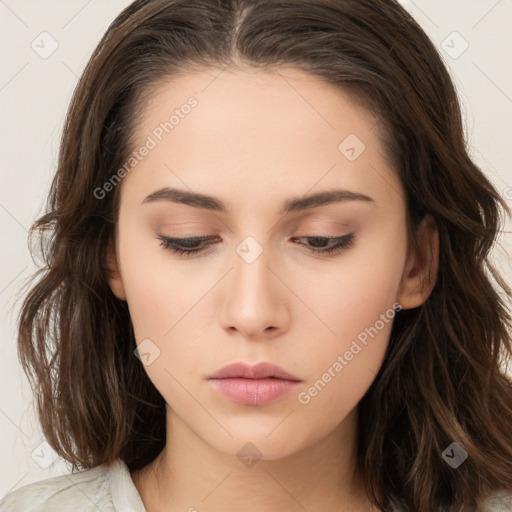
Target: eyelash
[{"x": 173, "y": 244}]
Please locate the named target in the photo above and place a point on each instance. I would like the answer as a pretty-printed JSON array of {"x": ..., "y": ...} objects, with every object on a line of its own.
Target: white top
[
  {"x": 103, "y": 488},
  {"x": 111, "y": 489}
]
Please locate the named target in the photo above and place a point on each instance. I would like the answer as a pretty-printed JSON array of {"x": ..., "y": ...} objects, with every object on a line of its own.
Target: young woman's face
[{"x": 259, "y": 145}]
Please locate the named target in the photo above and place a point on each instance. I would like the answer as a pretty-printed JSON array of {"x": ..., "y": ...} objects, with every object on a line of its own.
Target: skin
[{"x": 253, "y": 141}]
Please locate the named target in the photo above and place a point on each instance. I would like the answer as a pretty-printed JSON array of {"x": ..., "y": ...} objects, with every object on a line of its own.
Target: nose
[{"x": 254, "y": 299}]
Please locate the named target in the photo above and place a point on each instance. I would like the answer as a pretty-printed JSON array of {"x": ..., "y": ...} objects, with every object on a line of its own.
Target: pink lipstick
[{"x": 261, "y": 384}]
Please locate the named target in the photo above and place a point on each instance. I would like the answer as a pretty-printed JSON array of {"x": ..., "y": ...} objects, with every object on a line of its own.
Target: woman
[{"x": 268, "y": 280}]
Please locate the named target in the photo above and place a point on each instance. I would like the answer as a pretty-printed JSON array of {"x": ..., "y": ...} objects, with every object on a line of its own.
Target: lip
[
  {"x": 261, "y": 384},
  {"x": 258, "y": 371}
]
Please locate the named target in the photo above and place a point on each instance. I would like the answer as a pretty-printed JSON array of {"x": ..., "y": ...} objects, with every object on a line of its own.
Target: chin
[{"x": 255, "y": 445}]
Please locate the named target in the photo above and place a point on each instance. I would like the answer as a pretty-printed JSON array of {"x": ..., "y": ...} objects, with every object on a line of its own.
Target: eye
[
  {"x": 194, "y": 245},
  {"x": 338, "y": 243},
  {"x": 183, "y": 246}
]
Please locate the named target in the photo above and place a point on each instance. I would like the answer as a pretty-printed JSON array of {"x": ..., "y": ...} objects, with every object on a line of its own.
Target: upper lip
[{"x": 257, "y": 371}]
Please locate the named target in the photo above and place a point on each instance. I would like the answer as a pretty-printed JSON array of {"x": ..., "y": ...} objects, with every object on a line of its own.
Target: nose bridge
[
  {"x": 252, "y": 277},
  {"x": 252, "y": 303}
]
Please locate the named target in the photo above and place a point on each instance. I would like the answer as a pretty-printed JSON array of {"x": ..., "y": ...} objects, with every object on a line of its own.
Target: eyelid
[{"x": 179, "y": 245}]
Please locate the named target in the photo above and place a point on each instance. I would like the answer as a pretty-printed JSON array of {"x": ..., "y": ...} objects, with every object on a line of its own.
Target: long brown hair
[{"x": 440, "y": 381}]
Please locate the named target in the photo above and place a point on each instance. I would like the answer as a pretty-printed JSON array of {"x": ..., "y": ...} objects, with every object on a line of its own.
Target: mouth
[
  {"x": 254, "y": 391},
  {"x": 262, "y": 370},
  {"x": 261, "y": 384}
]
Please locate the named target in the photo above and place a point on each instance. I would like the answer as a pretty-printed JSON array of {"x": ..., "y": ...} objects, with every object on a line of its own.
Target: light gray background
[{"x": 34, "y": 95}]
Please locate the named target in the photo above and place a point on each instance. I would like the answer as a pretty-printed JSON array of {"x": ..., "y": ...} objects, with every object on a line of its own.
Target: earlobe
[
  {"x": 421, "y": 269},
  {"x": 113, "y": 274}
]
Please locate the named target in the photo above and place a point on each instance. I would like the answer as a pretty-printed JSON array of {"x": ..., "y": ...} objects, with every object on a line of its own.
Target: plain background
[{"x": 35, "y": 93}]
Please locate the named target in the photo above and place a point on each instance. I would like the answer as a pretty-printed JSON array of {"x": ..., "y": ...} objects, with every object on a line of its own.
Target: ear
[
  {"x": 113, "y": 274},
  {"x": 421, "y": 268}
]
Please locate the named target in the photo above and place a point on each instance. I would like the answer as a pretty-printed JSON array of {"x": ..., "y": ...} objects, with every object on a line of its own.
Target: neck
[{"x": 189, "y": 474}]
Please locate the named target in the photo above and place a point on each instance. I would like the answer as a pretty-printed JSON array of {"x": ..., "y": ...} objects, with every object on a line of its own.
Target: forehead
[
  {"x": 277, "y": 102},
  {"x": 257, "y": 133}
]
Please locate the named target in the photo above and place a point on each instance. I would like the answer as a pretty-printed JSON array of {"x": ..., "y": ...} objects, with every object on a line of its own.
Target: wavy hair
[{"x": 441, "y": 379}]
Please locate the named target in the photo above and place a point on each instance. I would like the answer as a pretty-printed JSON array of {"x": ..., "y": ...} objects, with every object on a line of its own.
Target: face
[{"x": 309, "y": 285}]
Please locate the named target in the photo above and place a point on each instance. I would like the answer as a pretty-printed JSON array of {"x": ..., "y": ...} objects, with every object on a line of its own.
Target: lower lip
[{"x": 254, "y": 391}]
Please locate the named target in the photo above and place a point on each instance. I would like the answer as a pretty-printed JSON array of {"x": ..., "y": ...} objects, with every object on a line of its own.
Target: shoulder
[
  {"x": 57, "y": 493},
  {"x": 91, "y": 490},
  {"x": 498, "y": 501}
]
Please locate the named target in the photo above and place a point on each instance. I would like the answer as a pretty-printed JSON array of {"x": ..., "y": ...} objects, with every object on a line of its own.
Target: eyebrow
[{"x": 292, "y": 205}]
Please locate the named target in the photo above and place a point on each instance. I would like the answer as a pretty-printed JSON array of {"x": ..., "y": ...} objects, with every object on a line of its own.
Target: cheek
[
  {"x": 340, "y": 384},
  {"x": 355, "y": 306},
  {"x": 158, "y": 291},
  {"x": 167, "y": 310},
  {"x": 344, "y": 360},
  {"x": 352, "y": 294},
  {"x": 161, "y": 303}
]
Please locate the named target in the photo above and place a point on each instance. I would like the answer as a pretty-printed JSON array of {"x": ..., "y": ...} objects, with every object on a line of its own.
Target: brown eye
[
  {"x": 184, "y": 246},
  {"x": 316, "y": 244},
  {"x": 320, "y": 243}
]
